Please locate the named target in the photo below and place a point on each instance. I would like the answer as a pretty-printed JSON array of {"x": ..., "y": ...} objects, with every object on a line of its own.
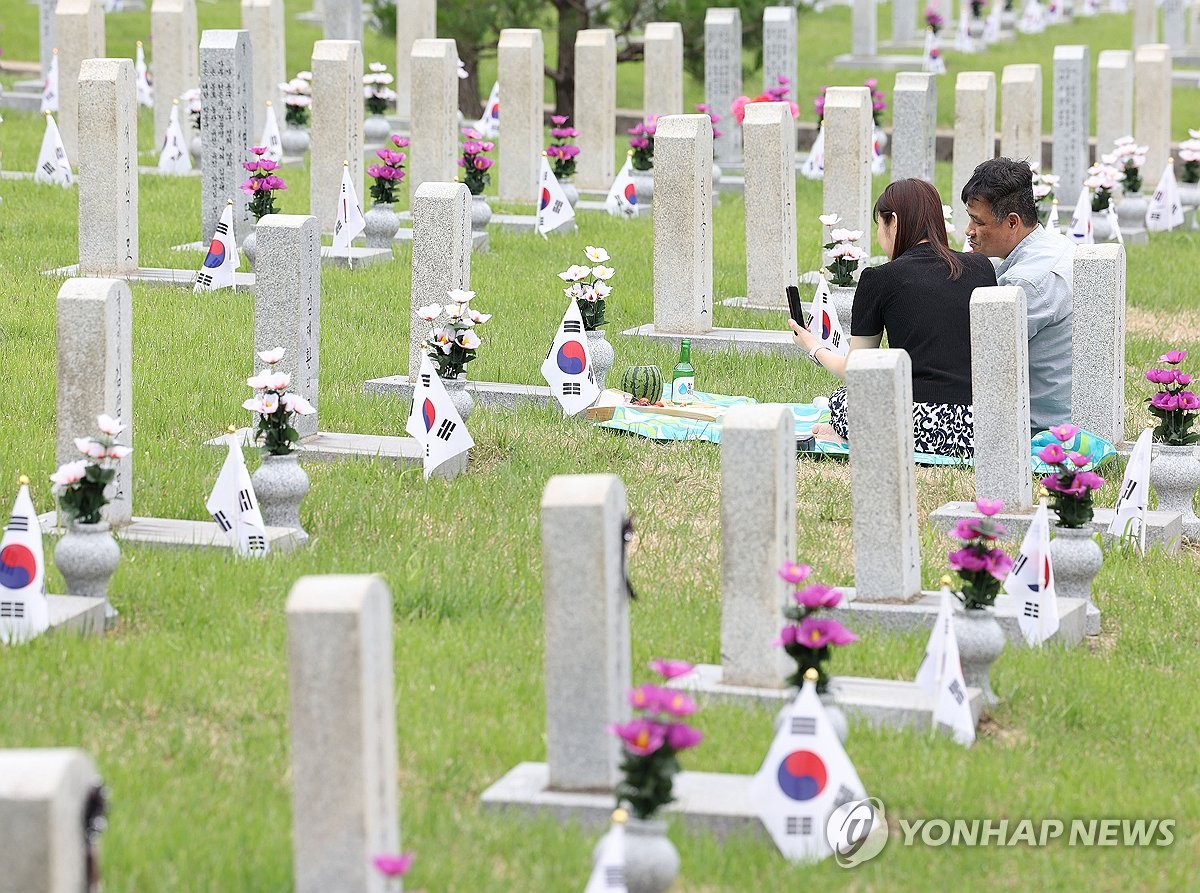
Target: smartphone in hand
[{"x": 796, "y": 307}]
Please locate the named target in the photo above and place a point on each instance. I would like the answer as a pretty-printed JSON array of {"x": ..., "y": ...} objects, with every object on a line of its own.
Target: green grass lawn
[{"x": 184, "y": 706}]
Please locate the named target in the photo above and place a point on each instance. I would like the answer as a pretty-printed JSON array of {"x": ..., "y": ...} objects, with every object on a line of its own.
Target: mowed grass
[{"x": 184, "y": 706}]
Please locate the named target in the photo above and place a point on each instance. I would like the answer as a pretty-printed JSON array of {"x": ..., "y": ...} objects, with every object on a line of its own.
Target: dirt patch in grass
[
  {"x": 1181, "y": 325},
  {"x": 1005, "y": 737}
]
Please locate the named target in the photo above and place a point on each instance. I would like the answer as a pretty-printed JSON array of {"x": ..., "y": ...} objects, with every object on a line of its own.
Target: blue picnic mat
[{"x": 655, "y": 426}]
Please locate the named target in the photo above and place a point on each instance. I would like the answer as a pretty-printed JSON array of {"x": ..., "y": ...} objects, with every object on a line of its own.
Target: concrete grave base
[
  {"x": 1163, "y": 529},
  {"x": 590, "y": 204},
  {"x": 480, "y": 240},
  {"x": 361, "y": 257},
  {"x": 744, "y": 303},
  {"x": 714, "y": 802},
  {"x": 741, "y": 340},
  {"x": 184, "y": 533},
  {"x": 919, "y": 615},
  {"x": 733, "y": 183},
  {"x": 486, "y": 393},
  {"x": 157, "y": 275},
  {"x": 880, "y": 63},
  {"x": 76, "y": 614},
  {"x": 154, "y": 171},
  {"x": 326, "y": 447},
  {"x": 881, "y": 702}
]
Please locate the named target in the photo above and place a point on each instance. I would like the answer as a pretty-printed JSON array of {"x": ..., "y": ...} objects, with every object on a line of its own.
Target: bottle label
[{"x": 681, "y": 389}]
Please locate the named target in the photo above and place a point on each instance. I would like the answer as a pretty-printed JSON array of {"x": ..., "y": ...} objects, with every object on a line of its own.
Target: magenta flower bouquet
[
  {"x": 262, "y": 184},
  {"x": 878, "y": 99},
  {"x": 641, "y": 141},
  {"x": 561, "y": 150},
  {"x": 980, "y": 565},
  {"x": 807, "y": 639},
  {"x": 390, "y": 172},
  {"x": 475, "y": 162},
  {"x": 1173, "y": 406},
  {"x": 652, "y": 739},
  {"x": 778, "y": 93},
  {"x": 933, "y": 19},
  {"x": 712, "y": 116},
  {"x": 1070, "y": 487}
]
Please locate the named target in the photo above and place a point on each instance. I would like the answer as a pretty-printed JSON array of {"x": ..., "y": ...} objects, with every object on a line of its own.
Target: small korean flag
[
  {"x": 608, "y": 876},
  {"x": 568, "y": 366},
  {"x": 1031, "y": 582},
  {"x": 622, "y": 198},
  {"x": 175, "y": 157},
  {"x": 50, "y": 87},
  {"x": 1129, "y": 518},
  {"x": 270, "y": 135},
  {"x": 824, "y": 323},
  {"x": 52, "y": 164},
  {"x": 222, "y": 259},
  {"x": 1081, "y": 220},
  {"x": 234, "y": 507},
  {"x": 814, "y": 165},
  {"x": 489, "y": 124},
  {"x": 804, "y": 778},
  {"x": 350, "y": 220},
  {"x": 554, "y": 210},
  {"x": 940, "y": 676},
  {"x": 145, "y": 93},
  {"x": 1166, "y": 210},
  {"x": 24, "y": 612},
  {"x": 434, "y": 421}
]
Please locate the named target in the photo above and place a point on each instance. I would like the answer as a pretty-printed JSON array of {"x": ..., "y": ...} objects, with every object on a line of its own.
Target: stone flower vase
[
  {"x": 381, "y": 223},
  {"x": 462, "y": 399},
  {"x": 1175, "y": 476},
  {"x": 1131, "y": 215},
  {"x": 295, "y": 140},
  {"x": 87, "y": 556},
  {"x": 980, "y": 642},
  {"x": 250, "y": 244},
  {"x": 644, "y": 183},
  {"x": 601, "y": 354},
  {"x": 280, "y": 484},
  {"x": 376, "y": 129},
  {"x": 717, "y": 173},
  {"x": 843, "y": 302},
  {"x": 1076, "y": 559},
  {"x": 569, "y": 190},
  {"x": 481, "y": 213},
  {"x": 651, "y": 860},
  {"x": 1101, "y": 227}
]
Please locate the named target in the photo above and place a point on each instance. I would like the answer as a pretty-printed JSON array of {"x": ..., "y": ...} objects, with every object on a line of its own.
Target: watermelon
[{"x": 643, "y": 382}]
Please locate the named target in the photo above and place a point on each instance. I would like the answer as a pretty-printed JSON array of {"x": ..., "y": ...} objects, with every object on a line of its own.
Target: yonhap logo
[{"x": 857, "y": 831}]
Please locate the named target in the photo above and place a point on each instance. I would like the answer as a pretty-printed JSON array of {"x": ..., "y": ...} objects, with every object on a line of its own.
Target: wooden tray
[{"x": 611, "y": 398}]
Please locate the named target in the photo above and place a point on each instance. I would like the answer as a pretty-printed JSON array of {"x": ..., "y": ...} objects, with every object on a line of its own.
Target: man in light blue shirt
[{"x": 1004, "y": 224}]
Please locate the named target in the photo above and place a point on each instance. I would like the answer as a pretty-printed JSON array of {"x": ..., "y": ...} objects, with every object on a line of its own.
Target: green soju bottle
[{"x": 683, "y": 378}]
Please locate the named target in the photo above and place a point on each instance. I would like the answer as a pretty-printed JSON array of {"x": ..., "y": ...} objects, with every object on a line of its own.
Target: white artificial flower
[
  {"x": 259, "y": 381},
  {"x": 589, "y": 294},
  {"x": 458, "y": 311},
  {"x": 830, "y": 219},
  {"x": 377, "y": 66},
  {"x": 1123, "y": 141},
  {"x": 1040, "y": 190},
  {"x": 947, "y": 212},
  {"x": 429, "y": 312},
  {"x": 602, "y": 289},
  {"x": 575, "y": 273},
  {"x": 462, "y": 71},
  {"x": 110, "y": 426},
  {"x": 848, "y": 252},
  {"x": 91, "y": 448},
  {"x": 253, "y": 404},
  {"x": 575, "y": 292},
  {"x": 269, "y": 403},
  {"x": 271, "y": 357},
  {"x": 842, "y": 235},
  {"x": 304, "y": 75},
  {"x": 278, "y": 381},
  {"x": 68, "y": 473},
  {"x": 596, "y": 255},
  {"x": 602, "y": 272},
  {"x": 459, "y": 296},
  {"x": 1194, "y": 134},
  {"x": 468, "y": 340},
  {"x": 478, "y": 317},
  {"x": 297, "y": 404},
  {"x": 116, "y": 451},
  {"x": 1050, "y": 180}
]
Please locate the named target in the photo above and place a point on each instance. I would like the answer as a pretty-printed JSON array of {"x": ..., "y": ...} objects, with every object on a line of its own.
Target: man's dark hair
[{"x": 1007, "y": 187}]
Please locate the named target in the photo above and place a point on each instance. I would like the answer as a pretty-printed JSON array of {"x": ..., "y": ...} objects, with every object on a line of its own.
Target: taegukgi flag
[
  {"x": 814, "y": 165},
  {"x": 608, "y": 876},
  {"x": 50, "y": 87},
  {"x": 350, "y": 220},
  {"x": 1081, "y": 220},
  {"x": 52, "y": 164},
  {"x": 234, "y": 507},
  {"x": 1166, "y": 210},
  {"x": 806, "y": 776},
  {"x": 622, "y": 200},
  {"x": 1031, "y": 582},
  {"x": 24, "y": 612},
  {"x": 1129, "y": 517},
  {"x": 434, "y": 421},
  {"x": 931, "y": 59},
  {"x": 222, "y": 259},
  {"x": 145, "y": 93},
  {"x": 489, "y": 124},
  {"x": 270, "y": 135},
  {"x": 175, "y": 157},
  {"x": 554, "y": 209},
  {"x": 824, "y": 323},
  {"x": 568, "y": 366},
  {"x": 940, "y": 675}
]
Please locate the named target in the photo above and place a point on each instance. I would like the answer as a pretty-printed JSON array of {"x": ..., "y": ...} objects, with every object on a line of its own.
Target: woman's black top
[{"x": 926, "y": 313}]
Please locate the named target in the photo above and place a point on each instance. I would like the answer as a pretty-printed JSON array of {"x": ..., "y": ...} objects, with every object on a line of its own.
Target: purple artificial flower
[
  {"x": 818, "y": 595},
  {"x": 251, "y": 166},
  {"x": 789, "y": 635},
  {"x": 570, "y": 151},
  {"x": 647, "y": 697},
  {"x": 1089, "y": 479},
  {"x": 639, "y": 143},
  {"x": 472, "y": 147},
  {"x": 989, "y": 507},
  {"x": 249, "y": 186},
  {"x": 375, "y": 171},
  {"x": 1174, "y": 357},
  {"x": 641, "y": 736},
  {"x": 400, "y": 142},
  {"x": 681, "y": 736},
  {"x": 1163, "y": 400},
  {"x": 794, "y": 573},
  {"x": 1161, "y": 376},
  {"x": 999, "y": 563},
  {"x": 970, "y": 528},
  {"x": 1188, "y": 401},
  {"x": 966, "y": 559},
  {"x": 1064, "y": 432},
  {"x": 273, "y": 182},
  {"x": 482, "y": 163},
  {"x": 636, "y": 129},
  {"x": 1079, "y": 460},
  {"x": 268, "y": 165},
  {"x": 676, "y": 703},
  {"x": 1182, "y": 378},
  {"x": 259, "y": 150},
  {"x": 1052, "y": 454},
  {"x": 471, "y": 133},
  {"x": 393, "y": 866},
  {"x": 558, "y": 119},
  {"x": 817, "y": 633},
  {"x": 670, "y": 669},
  {"x": 487, "y": 147}
]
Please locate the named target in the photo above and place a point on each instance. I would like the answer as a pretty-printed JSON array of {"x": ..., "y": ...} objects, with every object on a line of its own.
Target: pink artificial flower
[
  {"x": 1188, "y": 401},
  {"x": 1160, "y": 376},
  {"x": 268, "y": 165},
  {"x": 999, "y": 563},
  {"x": 970, "y": 528},
  {"x": 1052, "y": 454},
  {"x": 789, "y": 635},
  {"x": 818, "y": 595},
  {"x": 676, "y": 703},
  {"x": 816, "y": 633},
  {"x": 400, "y": 142},
  {"x": 647, "y": 697},
  {"x": 1064, "y": 432},
  {"x": 482, "y": 164},
  {"x": 681, "y": 736},
  {"x": 471, "y": 133},
  {"x": 487, "y": 147},
  {"x": 670, "y": 669},
  {"x": 1174, "y": 357},
  {"x": 1079, "y": 460},
  {"x": 559, "y": 120},
  {"x": 1089, "y": 479},
  {"x": 1182, "y": 378},
  {"x": 259, "y": 150},
  {"x": 739, "y": 108},
  {"x": 794, "y": 573},
  {"x": 1163, "y": 400},
  {"x": 393, "y": 866},
  {"x": 966, "y": 559},
  {"x": 641, "y": 736},
  {"x": 251, "y": 166},
  {"x": 989, "y": 507}
]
